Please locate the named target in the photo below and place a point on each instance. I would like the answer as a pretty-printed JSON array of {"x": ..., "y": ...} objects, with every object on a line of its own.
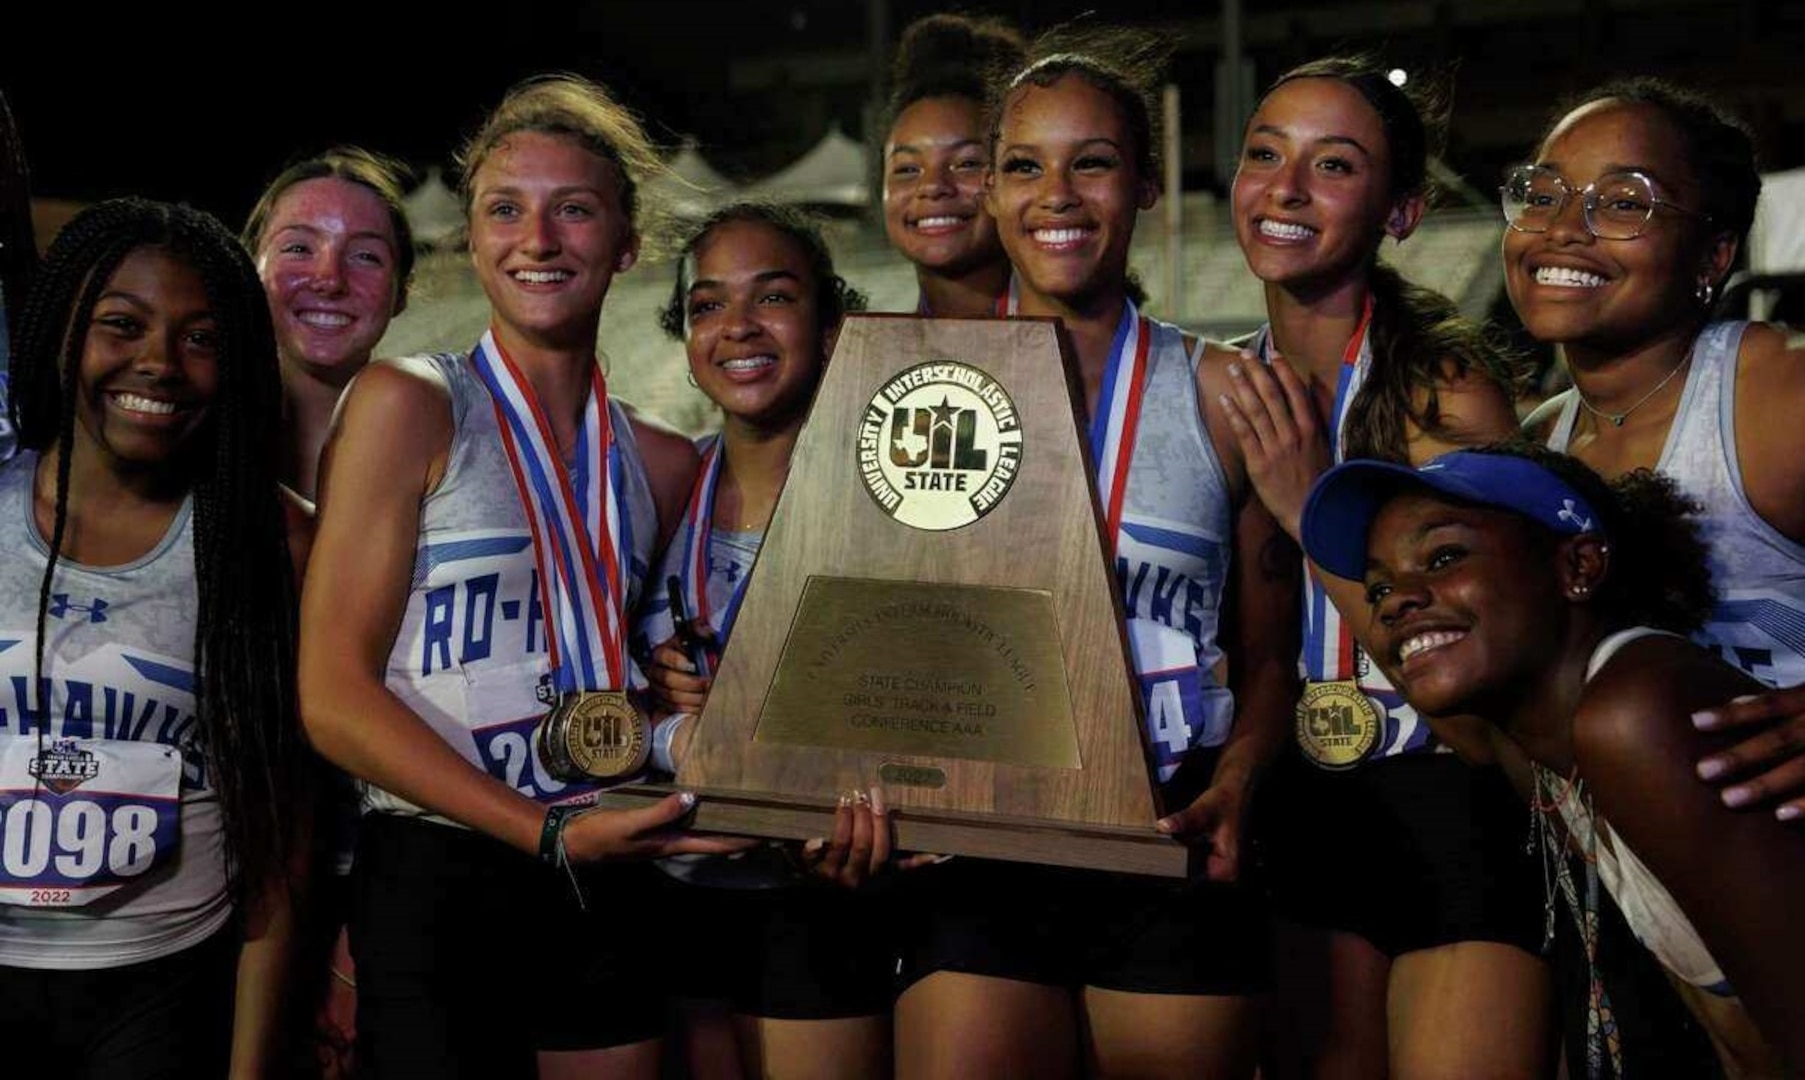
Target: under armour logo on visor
[{"x": 1570, "y": 512}]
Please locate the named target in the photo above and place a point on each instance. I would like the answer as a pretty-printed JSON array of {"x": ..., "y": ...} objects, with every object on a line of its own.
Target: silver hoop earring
[
  {"x": 1706, "y": 292},
  {"x": 691, "y": 376}
]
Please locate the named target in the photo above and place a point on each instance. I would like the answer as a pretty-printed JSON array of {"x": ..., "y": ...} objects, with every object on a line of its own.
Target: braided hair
[
  {"x": 18, "y": 248},
  {"x": 244, "y": 647},
  {"x": 1419, "y": 338}
]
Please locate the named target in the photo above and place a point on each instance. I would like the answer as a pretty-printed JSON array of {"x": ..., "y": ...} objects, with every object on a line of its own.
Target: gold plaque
[
  {"x": 939, "y": 445},
  {"x": 1337, "y": 724},
  {"x": 593, "y": 735},
  {"x": 936, "y": 670}
]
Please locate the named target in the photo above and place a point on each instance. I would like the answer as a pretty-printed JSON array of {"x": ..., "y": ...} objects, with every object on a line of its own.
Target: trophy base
[{"x": 989, "y": 836}]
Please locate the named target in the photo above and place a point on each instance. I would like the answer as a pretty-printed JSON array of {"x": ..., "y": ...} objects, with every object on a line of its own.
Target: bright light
[{"x": 1398, "y": 76}]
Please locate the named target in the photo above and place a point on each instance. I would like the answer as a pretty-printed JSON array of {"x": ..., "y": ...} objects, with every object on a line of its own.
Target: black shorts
[
  {"x": 795, "y": 952},
  {"x": 165, "y": 1018},
  {"x": 1067, "y": 927},
  {"x": 1409, "y": 852},
  {"x": 471, "y": 956}
]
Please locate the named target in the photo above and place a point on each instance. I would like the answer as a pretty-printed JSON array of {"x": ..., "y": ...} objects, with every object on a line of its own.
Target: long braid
[
  {"x": 18, "y": 247},
  {"x": 246, "y": 610}
]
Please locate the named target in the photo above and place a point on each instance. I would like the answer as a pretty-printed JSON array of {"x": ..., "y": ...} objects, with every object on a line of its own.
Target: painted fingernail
[
  {"x": 878, "y": 806},
  {"x": 1789, "y": 812},
  {"x": 845, "y": 800},
  {"x": 1164, "y": 825},
  {"x": 1234, "y": 369},
  {"x": 1744, "y": 699},
  {"x": 1223, "y": 398},
  {"x": 1738, "y": 796},
  {"x": 863, "y": 799},
  {"x": 942, "y": 859},
  {"x": 1711, "y": 768},
  {"x": 814, "y": 845},
  {"x": 1704, "y": 720},
  {"x": 687, "y": 798}
]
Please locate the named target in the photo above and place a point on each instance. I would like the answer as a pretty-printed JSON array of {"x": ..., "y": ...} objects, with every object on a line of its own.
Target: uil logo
[
  {"x": 939, "y": 445},
  {"x": 63, "y": 766}
]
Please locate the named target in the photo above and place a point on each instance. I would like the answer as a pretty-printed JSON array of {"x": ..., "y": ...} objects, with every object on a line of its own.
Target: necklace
[{"x": 1617, "y": 419}]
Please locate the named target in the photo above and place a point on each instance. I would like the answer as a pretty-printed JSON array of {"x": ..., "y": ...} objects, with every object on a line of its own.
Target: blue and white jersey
[
  {"x": 470, "y": 656},
  {"x": 1172, "y": 557},
  {"x": 111, "y": 849},
  {"x": 1758, "y": 624}
]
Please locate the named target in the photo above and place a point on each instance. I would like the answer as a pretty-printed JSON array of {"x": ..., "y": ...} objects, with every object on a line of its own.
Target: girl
[
  {"x": 464, "y": 501},
  {"x": 1621, "y": 234},
  {"x": 1023, "y": 971},
  {"x": 1428, "y": 925},
  {"x": 147, "y": 570},
  {"x": 1515, "y": 586},
  {"x": 336, "y": 255},
  {"x": 806, "y": 971},
  {"x": 935, "y": 158}
]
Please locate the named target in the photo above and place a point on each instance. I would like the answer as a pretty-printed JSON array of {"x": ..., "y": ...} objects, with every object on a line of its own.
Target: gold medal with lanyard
[
  {"x": 1338, "y": 723},
  {"x": 582, "y": 536}
]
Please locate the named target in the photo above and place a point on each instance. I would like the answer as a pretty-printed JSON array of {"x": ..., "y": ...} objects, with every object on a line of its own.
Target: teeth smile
[
  {"x": 134, "y": 403},
  {"x": 1285, "y": 230},
  {"x": 1059, "y": 237},
  {"x": 937, "y": 222},
  {"x": 541, "y": 277},
  {"x": 328, "y": 320},
  {"x": 1567, "y": 278},
  {"x": 748, "y": 363},
  {"x": 1422, "y": 643}
]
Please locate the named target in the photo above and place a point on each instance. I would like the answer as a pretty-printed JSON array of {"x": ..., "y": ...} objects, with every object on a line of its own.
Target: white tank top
[
  {"x": 1650, "y": 910},
  {"x": 79, "y": 812},
  {"x": 470, "y": 655},
  {"x": 1758, "y": 624}
]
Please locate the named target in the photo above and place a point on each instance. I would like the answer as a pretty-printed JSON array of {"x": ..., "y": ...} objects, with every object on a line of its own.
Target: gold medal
[
  {"x": 593, "y": 735},
  {"x": 1337, "y": 724}
]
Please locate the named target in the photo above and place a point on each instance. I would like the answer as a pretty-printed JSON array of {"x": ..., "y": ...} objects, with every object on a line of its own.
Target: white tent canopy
[
  {"x": 832, "y": 174},
  {"x": 1777, "y": 243},
  {"x": 692, "y": 187},
  {"x": 434, "y": 211}
]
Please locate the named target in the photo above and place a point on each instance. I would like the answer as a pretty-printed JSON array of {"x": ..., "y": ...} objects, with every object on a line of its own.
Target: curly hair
[
  {"x": 948, "y": 55},
  {"x": 835, "y": 296},
  {"x": 1659, "y": 572},
  {"x": 244, "y": 640}
]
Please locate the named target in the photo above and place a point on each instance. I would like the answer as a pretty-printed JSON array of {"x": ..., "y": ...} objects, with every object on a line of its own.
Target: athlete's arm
[
  {"x": 671, "y": 461},
  {"x": 1740, "y": 878}
]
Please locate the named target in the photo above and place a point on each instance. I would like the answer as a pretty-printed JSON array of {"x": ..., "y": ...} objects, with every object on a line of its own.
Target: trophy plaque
[{"x": 932, "y": 610}]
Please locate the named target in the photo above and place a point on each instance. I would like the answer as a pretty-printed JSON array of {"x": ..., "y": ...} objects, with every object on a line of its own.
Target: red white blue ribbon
[
  {"x": 1118, "y": 415},
  {"x": 579, "y": 522},
  {"x": 1329, "y": 652},
  {"x": 694, "y": 574}
]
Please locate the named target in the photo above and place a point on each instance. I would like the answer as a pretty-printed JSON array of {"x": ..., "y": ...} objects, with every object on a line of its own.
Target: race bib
[
  {"x": 1179, "y": 712},
  {"x": 505, "y": 749},
  {"x": 82, "y": 818}
]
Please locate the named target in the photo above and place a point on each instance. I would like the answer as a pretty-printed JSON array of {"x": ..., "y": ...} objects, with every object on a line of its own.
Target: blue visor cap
[{"x": 1342, "y": 505}]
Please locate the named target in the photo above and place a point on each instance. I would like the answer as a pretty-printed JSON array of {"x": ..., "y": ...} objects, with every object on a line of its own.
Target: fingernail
[
  {"x": 1711, "y": 768},
  {"x": 1234, "y": 369},
  {"x": 1744, "y": 699},
  {"x": 878, "y": 805},
  {"x": 1164, "y": 825},
  {"x": 1704, "y": 720},
  {"x": 687, "y": 798},
  {"x": 814, "y": 845},
  {"x": 1223, "y": 398},
  {"x": 845, "y": 800},
  {"x": 940, "y": 859},
  {"x": 1788, "y": 812},
  {"x": 1738, "y": 796}
]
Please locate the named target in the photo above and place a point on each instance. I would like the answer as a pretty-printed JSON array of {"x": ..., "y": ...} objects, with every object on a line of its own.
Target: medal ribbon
[
  {"x": 1008, "y": 304},
  {"x": 694, "y": 575},
  {"x": 1328, "y": 643},
  {"x": 578, "y": 522},
  {"x": 1118, "y": 415}
]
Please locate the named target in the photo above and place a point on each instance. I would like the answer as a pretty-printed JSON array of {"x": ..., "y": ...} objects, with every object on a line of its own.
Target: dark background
[{"x": 206, "y": 112}]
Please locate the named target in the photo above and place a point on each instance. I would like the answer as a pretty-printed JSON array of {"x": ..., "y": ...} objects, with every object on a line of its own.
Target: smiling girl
[
  {"x": 449, "y": 606},
  {"x": 935, "y": 159},
  {"x": 1516, "y": 586},
  {"x": 1027, "y": 971},
  {"x": 147, "y": 588}
]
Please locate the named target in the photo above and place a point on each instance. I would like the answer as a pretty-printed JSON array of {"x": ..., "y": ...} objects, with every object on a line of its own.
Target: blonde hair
[{"x": 577, "y": 109}]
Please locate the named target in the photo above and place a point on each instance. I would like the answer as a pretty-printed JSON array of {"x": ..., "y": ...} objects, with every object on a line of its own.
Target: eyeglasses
[{"x": 1617, "y": 205}]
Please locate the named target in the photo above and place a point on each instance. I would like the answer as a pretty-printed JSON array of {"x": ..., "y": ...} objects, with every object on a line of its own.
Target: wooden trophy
[{"x": 933, "y": 610}]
